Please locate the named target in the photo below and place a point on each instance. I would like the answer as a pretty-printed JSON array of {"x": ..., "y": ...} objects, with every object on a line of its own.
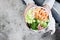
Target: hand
[
  {"x": 47, "y": 7},
  {"x": 28, "y": 7}
]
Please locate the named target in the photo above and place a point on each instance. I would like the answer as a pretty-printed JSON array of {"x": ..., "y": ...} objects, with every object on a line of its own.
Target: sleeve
[
  {"x": 51, "y": 25},
  {"x": 28, "y": 1},
  {"x": 49, "y": 3}
]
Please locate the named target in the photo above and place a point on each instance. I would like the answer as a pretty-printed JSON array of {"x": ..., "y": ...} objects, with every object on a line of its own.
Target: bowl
[{"x": 32, "y": 8}]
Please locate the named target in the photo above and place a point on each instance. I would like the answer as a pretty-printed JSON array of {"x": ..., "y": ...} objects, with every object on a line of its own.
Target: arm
[
  {"x": 49, "y": 3},
  {"x": 29, "y": 2}
]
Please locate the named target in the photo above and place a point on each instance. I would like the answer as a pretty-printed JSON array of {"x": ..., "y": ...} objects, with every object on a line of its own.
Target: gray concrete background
[{"x": 12, "y": 25}]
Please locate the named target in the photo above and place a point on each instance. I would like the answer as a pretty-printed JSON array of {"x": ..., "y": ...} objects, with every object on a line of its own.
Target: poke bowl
[{"x": 37, "y": 18}]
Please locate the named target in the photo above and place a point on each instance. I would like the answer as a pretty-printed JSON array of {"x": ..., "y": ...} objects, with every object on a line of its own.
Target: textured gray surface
[{"x": 12, "y": 25}]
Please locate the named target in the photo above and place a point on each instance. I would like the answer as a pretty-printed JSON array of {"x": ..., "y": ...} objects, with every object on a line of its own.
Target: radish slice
[{"x": 39, "y": 27}]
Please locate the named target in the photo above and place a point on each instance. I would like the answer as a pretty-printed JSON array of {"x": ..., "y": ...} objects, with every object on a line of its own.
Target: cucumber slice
[
  {"x": 43, "y": 24},
  {"x": 29, "y": 18}
]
